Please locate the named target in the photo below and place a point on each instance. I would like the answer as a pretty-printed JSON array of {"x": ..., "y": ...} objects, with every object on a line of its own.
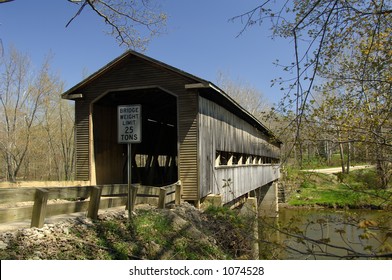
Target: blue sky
[{"x": 199, "y": 40}]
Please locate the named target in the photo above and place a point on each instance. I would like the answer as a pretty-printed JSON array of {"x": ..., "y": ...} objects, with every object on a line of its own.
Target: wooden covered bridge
[{"x": 191, "y": 131}]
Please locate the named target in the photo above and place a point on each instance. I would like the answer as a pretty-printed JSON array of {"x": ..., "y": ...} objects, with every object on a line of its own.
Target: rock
[
  {"x": 3, "y": 245},
  {"x": 38, "y": 254},
  {"x": 38, "y": 235}
]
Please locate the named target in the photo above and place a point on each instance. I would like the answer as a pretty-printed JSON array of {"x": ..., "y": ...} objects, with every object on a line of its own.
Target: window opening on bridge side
[{"x": 225, "y": 158}]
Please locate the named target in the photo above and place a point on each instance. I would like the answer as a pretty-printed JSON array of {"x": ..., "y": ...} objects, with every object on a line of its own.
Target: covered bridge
[{"x": 191, "y": 131}]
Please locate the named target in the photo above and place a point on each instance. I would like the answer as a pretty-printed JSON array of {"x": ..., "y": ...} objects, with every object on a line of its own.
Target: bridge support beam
[
  {"x": 249, "y": 210},
  {"x": 268, "y": 200}
]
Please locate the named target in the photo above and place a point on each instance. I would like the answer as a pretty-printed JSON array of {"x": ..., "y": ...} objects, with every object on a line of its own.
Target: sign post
[{"x": 129, "y": 131}]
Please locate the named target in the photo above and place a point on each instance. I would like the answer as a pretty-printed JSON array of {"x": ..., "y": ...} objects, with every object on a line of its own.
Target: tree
[
  {"x": 322, "y": 32},
  {"x": 131, "y": 22},
  {"x": 36, "y": 126},
  {"x": 332, "y": 121},
  {"x": 366, "y": 91},
  {"x": 20, "y": 99},
  {"x": 244, "y": 94},
  {"x": 58, "y": 132},
  {"x": 342, "y": 51},
  {"x": 320, "y": 29}
]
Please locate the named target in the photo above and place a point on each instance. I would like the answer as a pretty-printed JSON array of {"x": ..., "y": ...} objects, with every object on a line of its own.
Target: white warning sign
[{"x": 129, "y": 123}]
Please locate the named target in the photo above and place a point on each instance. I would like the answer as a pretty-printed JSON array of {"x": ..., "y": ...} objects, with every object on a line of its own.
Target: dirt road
[{"x": 334, "y": 170}]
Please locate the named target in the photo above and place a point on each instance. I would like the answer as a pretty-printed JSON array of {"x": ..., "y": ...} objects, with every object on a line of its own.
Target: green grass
[
  {"x": 317, "y": 162},
  {"x": 355, "y": 190},
  {"x": 168, "y": 238}
]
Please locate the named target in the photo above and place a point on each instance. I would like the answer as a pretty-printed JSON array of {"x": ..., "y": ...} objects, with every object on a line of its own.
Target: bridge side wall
[{"x": 222, "y": 132}]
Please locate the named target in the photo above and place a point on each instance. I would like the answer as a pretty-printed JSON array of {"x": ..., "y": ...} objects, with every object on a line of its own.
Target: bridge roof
[{"x": 207, "y": 89}]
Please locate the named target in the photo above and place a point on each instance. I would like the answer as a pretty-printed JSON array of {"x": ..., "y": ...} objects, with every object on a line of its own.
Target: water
[{"x": 326, "y": 234}]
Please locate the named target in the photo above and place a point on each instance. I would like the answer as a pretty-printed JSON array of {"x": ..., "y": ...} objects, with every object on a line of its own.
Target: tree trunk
[
  {"x": 348, "y": 157},
  {"x": 341, "y": 151}
]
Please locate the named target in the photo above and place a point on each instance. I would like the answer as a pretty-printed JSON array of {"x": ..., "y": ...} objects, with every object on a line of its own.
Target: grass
[
  {"x": 355, "y": 190},
  {"x": 320, "y": 162}
]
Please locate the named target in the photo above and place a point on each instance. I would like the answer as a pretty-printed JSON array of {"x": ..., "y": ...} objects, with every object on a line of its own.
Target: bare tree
[
  {"x": 132, "y": 23},
  {"x": 58, "y": 132},
  {"x": 20, "y": 100},
  {"x": 321, "y": 31},
  {"x": 244, "y": 94}
]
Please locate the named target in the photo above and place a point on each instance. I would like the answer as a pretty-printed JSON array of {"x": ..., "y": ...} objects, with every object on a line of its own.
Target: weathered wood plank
[
  {"x": 148, "y": 195},
  {"x": 162, "y": 198},
  {"x": 39, "y": 208},
  {"x": 148, "y": 191},
  {"x": 112, "y": 202},
  {"x": 114, "y": 190},
  {"x": 67, "y": 208},
  {"x": 177, "y": 197},
  {"x": 12, "y": 195},
  {"x": 122, "y": 189},
  {"x": 69, "y": 192},
  {"x": 15, "y": 214},
  {"x": 94, "y": 203},
  {"x": 82, "y": 206}
]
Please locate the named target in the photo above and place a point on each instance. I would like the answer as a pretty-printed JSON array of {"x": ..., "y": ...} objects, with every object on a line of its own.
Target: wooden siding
[
  {"x": 135, "y": 72},
  {"x": 188, "y": 165},
  {"x": 82, "y": 141},
  {"x": 234, "y": 181},
  {"x": 221, "y": 130}
]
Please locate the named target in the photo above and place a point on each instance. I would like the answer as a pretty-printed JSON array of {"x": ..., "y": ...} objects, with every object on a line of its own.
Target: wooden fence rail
[{"x": 40, "y": 203}]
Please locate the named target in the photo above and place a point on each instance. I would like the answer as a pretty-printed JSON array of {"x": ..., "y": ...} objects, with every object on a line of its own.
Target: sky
[{"x": 199, "y": 39}]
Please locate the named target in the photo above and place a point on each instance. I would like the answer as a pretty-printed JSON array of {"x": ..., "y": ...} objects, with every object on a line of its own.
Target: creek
[{"x": 326, "y": 234}]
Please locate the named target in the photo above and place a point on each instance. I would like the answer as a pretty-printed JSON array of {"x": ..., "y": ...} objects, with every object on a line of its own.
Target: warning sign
[{"x": 129, "y": 123}]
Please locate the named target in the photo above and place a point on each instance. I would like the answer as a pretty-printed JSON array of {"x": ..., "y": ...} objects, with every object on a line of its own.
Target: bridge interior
[{"x": 154, "y": 160}]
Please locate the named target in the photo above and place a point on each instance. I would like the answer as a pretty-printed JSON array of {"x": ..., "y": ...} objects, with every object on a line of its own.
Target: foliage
[
  {"x": 321, "y": 30},
  {"x": 340, "y": 90},
  {"x": 355, "y": 190},
  {"x": 234, "y": 233}
]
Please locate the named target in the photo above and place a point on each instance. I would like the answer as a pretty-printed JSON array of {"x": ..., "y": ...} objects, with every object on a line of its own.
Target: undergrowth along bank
[
  {"x": 356, "y": 190},
  {"x": 181, "y": 233}
]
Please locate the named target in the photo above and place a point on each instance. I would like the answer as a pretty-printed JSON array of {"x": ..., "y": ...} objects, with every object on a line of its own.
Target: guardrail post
[
  {"x": 134, "y": 190},
  {"x": 39, "y": 208},
  {"x": 95, "y": 199},
  {"x": 162, "y": 198},
  {"x": 132, "y": 197},
  {"x": 178, "y": 193}
]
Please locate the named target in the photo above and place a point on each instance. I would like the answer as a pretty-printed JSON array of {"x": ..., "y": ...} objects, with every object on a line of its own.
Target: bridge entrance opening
[{"x": 154, "y": 160}]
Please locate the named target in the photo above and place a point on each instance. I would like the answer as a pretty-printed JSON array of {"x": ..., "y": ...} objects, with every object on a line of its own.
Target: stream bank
[{"x": 182, "y": 233}]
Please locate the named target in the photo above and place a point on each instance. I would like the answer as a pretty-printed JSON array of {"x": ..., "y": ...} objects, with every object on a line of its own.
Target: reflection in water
[{"x": 326, "y": 234}]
